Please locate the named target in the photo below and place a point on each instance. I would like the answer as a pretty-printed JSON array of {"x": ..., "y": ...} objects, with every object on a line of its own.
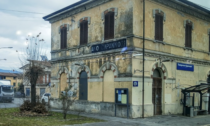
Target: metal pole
[{"x": 143, "y": 58}]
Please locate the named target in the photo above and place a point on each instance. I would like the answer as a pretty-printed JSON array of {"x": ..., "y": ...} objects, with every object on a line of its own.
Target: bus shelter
[{"x": 202, "y": 89}]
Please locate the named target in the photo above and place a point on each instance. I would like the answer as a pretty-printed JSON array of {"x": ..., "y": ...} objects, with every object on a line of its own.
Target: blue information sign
[
  {"x": 109, "y": 46},
  {"x": 185, "y": 67},
  {"x": 135, "y": 83}
]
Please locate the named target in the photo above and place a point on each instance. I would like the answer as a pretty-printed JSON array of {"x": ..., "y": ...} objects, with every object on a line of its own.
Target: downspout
[{"x": 143, "y": 57}]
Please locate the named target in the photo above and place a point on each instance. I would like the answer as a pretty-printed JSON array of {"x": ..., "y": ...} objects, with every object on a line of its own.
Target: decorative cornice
[
  {"x": 78, "y": 10},
  {"x": 186, "y": 9}
]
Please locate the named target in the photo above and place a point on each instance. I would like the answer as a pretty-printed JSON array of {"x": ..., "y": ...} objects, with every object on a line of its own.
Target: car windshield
[{"x": 7, "y": 89}]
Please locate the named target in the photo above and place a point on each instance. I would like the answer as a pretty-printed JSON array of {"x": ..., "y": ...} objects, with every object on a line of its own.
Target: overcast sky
[{"x": 15, "y": 26}]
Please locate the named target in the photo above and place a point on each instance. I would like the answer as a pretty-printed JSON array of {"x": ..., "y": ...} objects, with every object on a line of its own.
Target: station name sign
[
  {"x": 108, "y": 46},
  {"x": 185, "y": 67}
]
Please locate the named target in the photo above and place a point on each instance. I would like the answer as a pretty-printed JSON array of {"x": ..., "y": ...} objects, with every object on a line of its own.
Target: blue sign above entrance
[
  {"x": 109, "y": 46},
  {"x": 185, "y": 67}
]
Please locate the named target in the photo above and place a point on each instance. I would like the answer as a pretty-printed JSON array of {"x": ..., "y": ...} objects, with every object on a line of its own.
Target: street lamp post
[{"x": 143, "y": 58}]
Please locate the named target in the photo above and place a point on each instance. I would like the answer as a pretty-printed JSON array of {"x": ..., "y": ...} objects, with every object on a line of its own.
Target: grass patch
[{"x": 8, "y": 118}]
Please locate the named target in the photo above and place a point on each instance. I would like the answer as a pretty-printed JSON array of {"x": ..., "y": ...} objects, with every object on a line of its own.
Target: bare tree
[
  {"x": 30, "y": 58},
  {"x": 67, "y": 97}
]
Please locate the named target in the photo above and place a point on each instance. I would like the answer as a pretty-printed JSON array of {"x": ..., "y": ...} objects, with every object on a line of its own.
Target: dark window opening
[
  {"x": 63, "y": 37},
  {"x": 83, "y": 32},
  {"x": 159, "y": 27},
  {"x": 209, "y": 42},
  {"x": 188, "y": 35},
  {"x": 109, "y": 26},
  {"x": 14, "y": 84}
]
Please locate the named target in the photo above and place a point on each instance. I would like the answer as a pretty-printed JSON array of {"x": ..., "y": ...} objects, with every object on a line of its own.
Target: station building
[{"x": 96, "y": 46}]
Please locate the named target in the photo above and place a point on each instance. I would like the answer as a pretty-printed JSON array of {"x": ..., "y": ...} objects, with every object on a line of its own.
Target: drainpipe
[{"x": 143, "y": 57}]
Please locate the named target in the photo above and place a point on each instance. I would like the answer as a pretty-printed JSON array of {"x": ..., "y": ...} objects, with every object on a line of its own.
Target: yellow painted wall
[
  {"x": 174, "y": 31},
  {"x": 96, "y": 27}
]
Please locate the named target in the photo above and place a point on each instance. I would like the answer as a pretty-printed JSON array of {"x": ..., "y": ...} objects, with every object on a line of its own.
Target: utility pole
[{"x": 143, "y": 58}]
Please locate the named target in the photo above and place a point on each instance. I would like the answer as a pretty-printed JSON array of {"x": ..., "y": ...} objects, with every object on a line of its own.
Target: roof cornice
[
  {"x": 74, "y": 10},
  {"x": 187, "y": 9}
]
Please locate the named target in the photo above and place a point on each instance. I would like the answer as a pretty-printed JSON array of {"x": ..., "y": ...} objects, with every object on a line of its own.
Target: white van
[{"x": 6, "y": 91}]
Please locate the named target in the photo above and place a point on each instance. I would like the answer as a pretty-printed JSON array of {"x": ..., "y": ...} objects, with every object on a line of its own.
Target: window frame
[{"x": 63, "y": 37}]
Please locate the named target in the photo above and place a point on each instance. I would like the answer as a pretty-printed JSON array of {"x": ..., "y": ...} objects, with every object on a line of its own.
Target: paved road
[
  {"x": 170, "y": 120},
  {"x": 15, "y": 103}
]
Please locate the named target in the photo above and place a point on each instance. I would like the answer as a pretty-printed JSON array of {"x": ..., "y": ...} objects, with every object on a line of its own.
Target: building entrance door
[
  {"x": 157, "y": 95},
  {"x": 83, "y": 86}
]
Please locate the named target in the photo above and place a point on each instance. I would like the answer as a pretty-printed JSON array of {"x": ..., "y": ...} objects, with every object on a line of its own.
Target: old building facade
[{"x": 97, "y": 46}]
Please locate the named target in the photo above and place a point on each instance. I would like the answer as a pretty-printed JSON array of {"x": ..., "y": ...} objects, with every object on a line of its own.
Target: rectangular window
[
  {"x": 47, "y": 78},
  {"x": 63, "y": 37},
  {"x": 209, "y": 42},
  {"x": 14, "y": 78},
  {"x": 188, "y": 35},
  {"x": 109, "y": 26},
  {"x": 44, "y": 79},
  {"x": 83, "y": 32},
  {"x": 158, "y": 27},
  {"x": 14, "y": 84}
]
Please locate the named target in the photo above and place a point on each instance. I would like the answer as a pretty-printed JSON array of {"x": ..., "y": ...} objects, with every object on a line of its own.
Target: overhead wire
[{"x": 21, "y": 11}]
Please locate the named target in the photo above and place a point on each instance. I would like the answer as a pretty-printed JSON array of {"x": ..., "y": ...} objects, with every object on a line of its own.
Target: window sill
[
  {"x": 188, "y": 48},
  {"x": 158, "y": 41}
]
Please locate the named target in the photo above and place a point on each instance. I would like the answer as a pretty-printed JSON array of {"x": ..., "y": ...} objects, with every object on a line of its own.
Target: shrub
[
  {"x": 39, "y": 108},
  {"x": 26, "y": 106}
]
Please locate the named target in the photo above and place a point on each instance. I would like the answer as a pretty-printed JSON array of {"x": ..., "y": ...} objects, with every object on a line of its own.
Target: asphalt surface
[{"x": 169, "y": 120}]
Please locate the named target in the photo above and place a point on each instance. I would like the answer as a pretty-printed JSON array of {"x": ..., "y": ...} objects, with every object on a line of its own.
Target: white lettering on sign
[{"x": 182, "y": 65}]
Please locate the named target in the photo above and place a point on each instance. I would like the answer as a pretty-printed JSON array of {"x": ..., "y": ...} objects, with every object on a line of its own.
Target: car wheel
[{"x": 43, "y": 101}]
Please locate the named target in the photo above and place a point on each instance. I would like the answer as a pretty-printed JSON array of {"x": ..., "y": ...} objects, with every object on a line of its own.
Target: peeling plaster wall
[{"x": 123, "y": 24}]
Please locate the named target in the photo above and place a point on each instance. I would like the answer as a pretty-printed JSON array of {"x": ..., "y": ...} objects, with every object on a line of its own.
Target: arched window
[
  {"x": 83, "y": 86},
  {"x": 109, "y": 25},
  {"x": 156, "y": 73}
]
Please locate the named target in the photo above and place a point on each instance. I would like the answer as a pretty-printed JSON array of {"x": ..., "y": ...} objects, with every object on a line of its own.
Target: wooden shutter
[
  {"x": 209, "y": 48},
  {"x": 63, "y": 38},
  {"x": 109, "y": 26},
  {"x": 159, "y": 27},
  {"x": 106, "y": 32},
  {"x": 188, "y": 35},
  {"x": 83, "y": 32},
  {"x": 111, "y": 32}
]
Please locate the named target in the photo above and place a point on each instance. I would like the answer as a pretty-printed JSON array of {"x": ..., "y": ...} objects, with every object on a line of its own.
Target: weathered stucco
[{"x": 115, "y": 69}]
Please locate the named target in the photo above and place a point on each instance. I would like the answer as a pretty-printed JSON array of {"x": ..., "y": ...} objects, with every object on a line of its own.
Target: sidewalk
[{"x": 170, "y": 120}]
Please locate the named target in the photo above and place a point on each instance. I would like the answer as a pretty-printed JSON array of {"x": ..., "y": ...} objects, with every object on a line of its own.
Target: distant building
[
  {"x": 43, "y": 81},
  {"x": 14, "y": 78}
]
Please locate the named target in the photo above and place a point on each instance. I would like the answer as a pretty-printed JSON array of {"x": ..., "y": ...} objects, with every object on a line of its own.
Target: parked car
[
  {"x": 44, "y": 98},
  {"x": 19, "y": 95}
]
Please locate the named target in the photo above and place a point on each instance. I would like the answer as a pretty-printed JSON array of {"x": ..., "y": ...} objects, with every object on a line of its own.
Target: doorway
[
  {"x": 209, "y": 102},
  {"x": 157, "y": 92},
  {"x": 83, "y": 86}
]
